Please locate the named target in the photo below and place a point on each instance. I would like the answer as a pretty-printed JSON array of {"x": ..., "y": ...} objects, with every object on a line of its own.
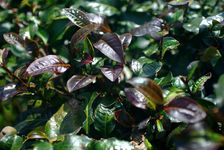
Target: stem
[{"x": 160, "y": 49}]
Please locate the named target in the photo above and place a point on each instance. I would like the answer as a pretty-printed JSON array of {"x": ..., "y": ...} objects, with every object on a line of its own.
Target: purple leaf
[
  {"x": 8, "y": 91},
  {"x": 49, "y": 63},
  {"x": 87, "y": 60},
  {"x": 110, "y": 45},
  {"x": 185, "y": 109},
  {"x": 124, "y": 118},
  {"x": 76, "y": 82},
  {"x": 112, "y": 73},
  {"x": 178, "y": 2},
  {"x": 13, "y": 38},
  {"x": 31, "y": 47},
  {"x": 3, "y": 55},
  {"x": 125, "y": 40},
  {"x": 136, "y": 98}
]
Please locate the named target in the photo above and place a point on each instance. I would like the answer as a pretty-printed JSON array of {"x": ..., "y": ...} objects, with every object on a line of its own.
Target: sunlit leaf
[
  {"x": 185, "y": 109},
  {"x": 151, "y": 69},
  {"x": 169, "y": 43},
  {"x": 112, "y": 73},
  {"x": 13, "y": 38},
  {"x": 11, "y": 141},
  {"x": 49, "y": 63},
  {"x": 125, "y": 40},
  {"x": 104, "y": 120},
  {"x": 200, "y": 82},
  {"x": 110, "y": 45},
  {"x": 178, "y": 2},
  {"x": 31, "y": 47},
  {"x": 124, "y": 118},
  {"x": 77, "y": 81},
  {"x": 83, "y": 32},
  {"x": 76, "y": 16},
  {"x": 149, "y": 88},
  {"x": 3, "y": 55},
  {"x": 8, "y": 91}
]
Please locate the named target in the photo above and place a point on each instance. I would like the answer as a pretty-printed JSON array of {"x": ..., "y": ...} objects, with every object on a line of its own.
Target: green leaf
[
  {"x": 73, "y": 142},
  {"x": 191, "y": 69},
  {"x": 200, "y": 82},
  {"x": 169, "y": 43},
  {"x": 152, "y": 68},
  {"x": 219, "y": 88},
  {"x": 11, "y": 141},
  {"x": 89, "y": 113},
  {"x": 193, "y": 25},
  {"x": 164, "y": 80},
  {"x": 43, "y": 35},
  {"x": 153, "y": 48},
  {"x": 42, "y": 146},
  {"x": 207, "y": 22},
  {"x": 111, "y": 144},
  {"x": 104, "y": 120}
]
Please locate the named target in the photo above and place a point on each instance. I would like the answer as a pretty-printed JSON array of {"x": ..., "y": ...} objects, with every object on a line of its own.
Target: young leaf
[
  {"x": 136, "y": 98},
  {"x": 178, "y": 2},
  {"x": 124, "y": 118},
  {"x": 76, "y": 16},
  {"x": 112, "y": 73},
  {"x": 3, "y": 55},
  {"x": 13, "y": 38},
  {"x": 104, "y": 120},
  {"x": 125, "y": 40},
  {"x": 110, "y": 45},
  {"x": 76, "y": 82},
  {"x": 49, "y": 63},
  {"x": 149, "y": 88},
  {"x": 8, "y": 91},
  {"x": 87, "y": 59},
  {"x": 185, "y": 109},
  {"x": 83, "y": 32},
  {"x": 200, "y": 82},
  {"x": 31, "y": 47}
]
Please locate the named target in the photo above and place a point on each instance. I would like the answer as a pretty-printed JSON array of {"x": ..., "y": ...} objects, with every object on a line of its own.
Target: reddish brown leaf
[
  {"x": 3, "y": 55},
  {"x": 13, "y": 38},
  {"x": 185, "y": 109},
  {"x": 31, "y": 47},
  {"x": 112, "y": 73},
  {"x": 49, "y": 63},
  {"x": 87, "y": 60},
  {"x": 8, "y": 91},
  {"x": 124, "y": 118},
  {"x": 76, "y": 82},
  {"x": 125, "y": 40},
  {"x": 110, "y": 45}
]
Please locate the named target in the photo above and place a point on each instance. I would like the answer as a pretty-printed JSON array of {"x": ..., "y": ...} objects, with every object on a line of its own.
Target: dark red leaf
[
  {"x": 76, "y": 82},
  {"x": 148, "y": 88},
  {"x": 8, "y": 91},
  {"x": 31, "y": 47},
  {"x": 124, "y": 118},
  {"x": 112, "y": 73},
  {"x": 125, "y": 40},
  {"x": 185, "y": 109},
  {"x": 136, "y": 98},
  {"x": 13, "y": 38},
  {"x": 110, "y": 45},
  {"x": 49, "y": 63},
  {"x": 87, "y": 60},
  {"x": 83, "y": 32}
]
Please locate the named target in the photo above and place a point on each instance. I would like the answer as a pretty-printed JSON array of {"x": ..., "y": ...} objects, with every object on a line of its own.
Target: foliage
[{"x": 112, "y": 74}]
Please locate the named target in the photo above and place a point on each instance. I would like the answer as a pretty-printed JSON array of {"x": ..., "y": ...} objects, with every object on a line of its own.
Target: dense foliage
[{"x": 115, "y": 74}]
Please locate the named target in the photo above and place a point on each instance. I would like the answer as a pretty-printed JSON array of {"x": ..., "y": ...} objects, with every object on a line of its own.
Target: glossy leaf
[
  {"x": 42, "y": 146},
  {"x": 3, "y": 55},
  {"x": 49, "y": 63},
  {"x": 31, "y": 47},
  {"x": 124, "y": 118},
  {"x": 178, "y": 2},
  {"x": 149, "y": 88},
  {"x": 112, "y": 73},
  {"x": 76, "y": 16},
  {"x": 36, "y": 135},
  {"x": 110, "y": 45},
  {"x": 169, "y": 43},
  {"x": 200, "y": 82},
  {"x": 185, "y": 109},
  {"x": 151, "y": 69},
  {"x": 11, "y": 141},
  {"x": 13, "y": 38},
  {"x": 73, "y": 142},
  {"x": 8, "y": 91},
  {"x": 125, "y": 40},
  {"x": 104, "y": 120},
  {"x": 193, "y": 25},
  {"x": 136, "y": 98},
  {"x": 219, "y": 91},
  {"x": 83, "y": 32},
  {"x": 77, "y": 81}
]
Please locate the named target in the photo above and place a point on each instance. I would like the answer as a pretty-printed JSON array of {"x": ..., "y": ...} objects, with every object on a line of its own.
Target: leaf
[
  {"x": 185, "y": 109},
  {"x": 87, "y": 59},
  {"x": 73, "y": 142},
  {"x": 13, "y": 38},
  {"x": 208, "y": 22},
  {"x": 164, "y": 80},
  {"x": 218, "y": 89},
  {"x": 200, "y": 82},
  {"x": 149, "y": 88},
  {"x": 178, "y": 2},
  {"x": 104, "y": 120},
  {"x": 136, "y": 98},
  {"x": 77, "y": 81},
  {"x": 125, "y": 40},
  {"x": 209, "y": 53},
  {"x": 191, "y": 69},
  {"x": 169, "y": 43},
  {"x": 151, "y": 69},
  {"x": 3, "y": 55},
  {"x": 8, "y": 91},
  {"x": 193, "y": 25},
  {"x": 76, "y": 16},
  {"x": 36, "y": 135},
  {"x": 42, "y": 146},
  {"x": 31, "y": 47},
  {"x": 49, "y": 63},
  {"x": 111, "y": 144},
  {"x": 11, "y": 141},
  {"x": 112, "y": 73},
  {"x": 110, "y": 45},
  {"x": 124, "y": 118},
  {"x": 83, "y": 32},
  {"x": 89, "y": 113}
]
